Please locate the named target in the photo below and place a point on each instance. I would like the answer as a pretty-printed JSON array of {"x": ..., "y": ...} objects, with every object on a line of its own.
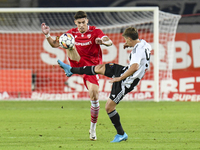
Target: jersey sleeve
[
  {"x": 99, "y": 33},
  {"x": 69, "y": 31}
]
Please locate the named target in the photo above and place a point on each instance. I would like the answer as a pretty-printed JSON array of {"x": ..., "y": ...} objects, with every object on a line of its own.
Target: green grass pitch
[{"x": 51, "y": 125}]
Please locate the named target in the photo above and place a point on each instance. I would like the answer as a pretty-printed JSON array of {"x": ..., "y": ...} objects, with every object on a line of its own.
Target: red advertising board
[
  {"x": 32, "y": 52},
  {"x": 186, "y": 67}
]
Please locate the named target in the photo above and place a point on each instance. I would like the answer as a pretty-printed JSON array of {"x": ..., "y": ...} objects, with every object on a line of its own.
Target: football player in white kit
[{"x": 124, "y": 78}]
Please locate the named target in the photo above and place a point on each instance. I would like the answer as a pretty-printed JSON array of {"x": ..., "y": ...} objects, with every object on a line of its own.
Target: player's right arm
[
  {"x": 105, "y": 41},
  {"x": 72, "y": 54},
  {"x": 46, "y": 31},
  {"x": 133, "y": 68}
]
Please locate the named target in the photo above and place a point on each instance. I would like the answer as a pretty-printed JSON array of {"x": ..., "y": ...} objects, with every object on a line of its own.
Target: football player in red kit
[{"x": 87, "y": 52}]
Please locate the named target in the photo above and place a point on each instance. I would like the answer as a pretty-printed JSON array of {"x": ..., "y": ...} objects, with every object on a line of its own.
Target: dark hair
[
  {"x": 131, "y": 32},
  {"x": 80, "y": 14}
]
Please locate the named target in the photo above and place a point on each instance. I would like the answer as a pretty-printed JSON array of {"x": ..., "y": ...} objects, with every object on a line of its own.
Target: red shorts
[{"x": 91, "y": 78}]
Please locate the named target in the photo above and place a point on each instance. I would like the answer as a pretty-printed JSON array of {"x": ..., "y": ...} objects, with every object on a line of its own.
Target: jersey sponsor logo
[{"x": 83, "y": 44}]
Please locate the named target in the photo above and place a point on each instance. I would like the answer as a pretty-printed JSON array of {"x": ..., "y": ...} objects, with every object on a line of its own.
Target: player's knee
[
  {"x": 108, "y": 108},
  {"x": 94, "y": 94},
  {"x": 100, "y": 69}
]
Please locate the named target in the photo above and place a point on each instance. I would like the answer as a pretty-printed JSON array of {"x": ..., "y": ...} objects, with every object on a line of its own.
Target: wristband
[{"x": 47, "y": 35}]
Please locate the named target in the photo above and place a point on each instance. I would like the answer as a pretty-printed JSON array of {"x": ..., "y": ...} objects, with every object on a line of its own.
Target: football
[{"x": 67, "y": 41}]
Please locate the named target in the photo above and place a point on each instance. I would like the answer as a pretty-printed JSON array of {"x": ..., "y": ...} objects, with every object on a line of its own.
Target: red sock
[{"x": 94, "y": 111}]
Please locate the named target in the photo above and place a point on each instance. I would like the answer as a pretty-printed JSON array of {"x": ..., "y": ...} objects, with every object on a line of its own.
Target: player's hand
[
  {"x": 72, "y": 48},
  {"x": 98, "y": 41},
  {"x": 126, "y": 45},
  {"x": 117, "y": 79},
  {"x": 57, "y": 39},
  {"x": 45, "y": 29}
]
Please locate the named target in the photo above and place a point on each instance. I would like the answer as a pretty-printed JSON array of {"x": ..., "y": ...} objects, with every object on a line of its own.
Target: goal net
[{"x": 28, "y": 64}]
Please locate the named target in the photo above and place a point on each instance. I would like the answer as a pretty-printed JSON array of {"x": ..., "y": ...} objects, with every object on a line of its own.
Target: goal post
[
  {"x": 156, "y": 51},
  {"x": 24, "y": 23}
]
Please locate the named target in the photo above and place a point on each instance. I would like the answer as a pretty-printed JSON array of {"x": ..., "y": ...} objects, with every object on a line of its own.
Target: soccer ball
[{"x": 67, "y": 41}]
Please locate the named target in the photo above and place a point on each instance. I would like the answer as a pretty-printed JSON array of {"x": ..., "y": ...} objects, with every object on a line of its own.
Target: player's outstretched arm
[
  {"x": 104, "y": 41},
  {"x": 134, "y": 67},
  {"x": 46, "y": 32}
]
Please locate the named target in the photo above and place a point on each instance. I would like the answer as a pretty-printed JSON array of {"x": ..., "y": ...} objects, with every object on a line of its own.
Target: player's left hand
[
  {"x": 125, "y": 45},
  {"x": 98, "y": 41},
  {"x": 117, "y": 79}
]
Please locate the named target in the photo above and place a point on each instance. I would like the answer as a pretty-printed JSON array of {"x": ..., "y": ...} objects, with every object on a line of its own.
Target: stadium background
[{"x": 187, "y": 48}]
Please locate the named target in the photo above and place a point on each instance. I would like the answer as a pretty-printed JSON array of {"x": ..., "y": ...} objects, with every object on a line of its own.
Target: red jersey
[{"x": 89, "y": 51}]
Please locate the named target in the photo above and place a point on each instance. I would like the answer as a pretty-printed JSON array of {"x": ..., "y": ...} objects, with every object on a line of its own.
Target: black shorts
[{"x": 119, "y": 90}]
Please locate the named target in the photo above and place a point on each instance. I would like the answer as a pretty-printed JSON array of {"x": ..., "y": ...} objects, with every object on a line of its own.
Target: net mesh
[{"x": 30, "y": 63}]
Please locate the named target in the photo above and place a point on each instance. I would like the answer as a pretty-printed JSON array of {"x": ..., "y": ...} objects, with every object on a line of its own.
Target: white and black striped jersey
[{"x": 140, "y": 55}]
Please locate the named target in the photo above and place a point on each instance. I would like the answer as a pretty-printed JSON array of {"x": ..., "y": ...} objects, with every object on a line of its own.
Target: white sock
[
  {"x": 93, "y": 126},
  {"x": 94, "y": 114}
]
